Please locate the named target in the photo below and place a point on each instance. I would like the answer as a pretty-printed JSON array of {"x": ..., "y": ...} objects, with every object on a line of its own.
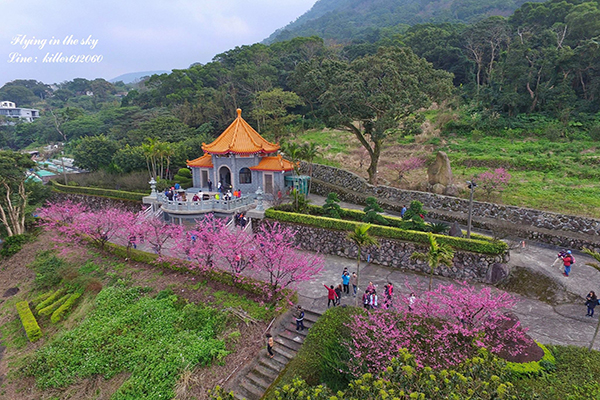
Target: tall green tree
[
  {"x": 13, "y": 193},
  {"x": 372, "y": 96},
  {"x": 94, "y": 152},
  {"x": 271, "y": 111},
  {"x": 438, "y": 253},
  {"x": 361, "y": 238}
]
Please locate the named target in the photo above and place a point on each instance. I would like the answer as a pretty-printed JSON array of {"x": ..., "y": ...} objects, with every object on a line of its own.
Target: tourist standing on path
[
  {"x": 366, "y": 299},
  {"x": 370, "y": 287},
  {"x": 411, "y": 301},
  {"x": 389, "y": 292},
  {"x": 346, "y": 281},
  {"x": 568, "y": 260},
  {"x": 330, "y": 295},
  {"x": 591, "y": 303},
  {"x": 373, "y": 300},
  {"x": 209, "y": 184},
  {"x": 299, "y": 319},
  {"x": 338, "y": 293},
  {"x": 403, "y": 211},
  {"x": 559, "y": 257},
  {"x": 270, "y": 343},
  {"x": 354, "y": 283}
]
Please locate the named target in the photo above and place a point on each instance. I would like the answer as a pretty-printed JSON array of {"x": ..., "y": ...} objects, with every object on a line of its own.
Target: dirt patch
[{"x": 535, "y": 285}]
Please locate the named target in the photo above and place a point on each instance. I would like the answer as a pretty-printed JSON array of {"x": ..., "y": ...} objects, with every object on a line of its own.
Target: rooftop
[{"x": 240, "y": 138}]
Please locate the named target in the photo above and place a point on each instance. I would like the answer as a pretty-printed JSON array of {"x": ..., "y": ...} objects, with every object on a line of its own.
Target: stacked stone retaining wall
[
  {"x": 544, "y": 226},
  {"x": 396, "y": 254}
]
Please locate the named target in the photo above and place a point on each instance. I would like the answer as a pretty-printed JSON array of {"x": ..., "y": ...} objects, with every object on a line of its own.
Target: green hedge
[
  {"x": 473, "y": 245},
  {"x": 60, "y": 312},
  {"x": 533, "y": 368},
  {"x": 113, "y": 194},
  {"x": 50, "y": 309},
  {"x": 50, "y": 299},
  {"x": 32, "y": 329},
  {"x": 42, "y": 297},
  {"x": 357, "y": 216}
]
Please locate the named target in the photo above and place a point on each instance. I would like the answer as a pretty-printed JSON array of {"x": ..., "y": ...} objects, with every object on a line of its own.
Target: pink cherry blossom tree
[
  {"x": 200, "y": 243},
  {"x": 407, "y": 165},
  {"x": 278, "y": 256},
  {"x": 236, "y": 249},
  {"x": 493, "y": 181},
  {"x": 101, "y": 226},
  {"x": 131, "y": 230},
  {"x": 59, "y": 217},
  {"x": 157, "y": 233},
  {"x": 443, "y": 327}
]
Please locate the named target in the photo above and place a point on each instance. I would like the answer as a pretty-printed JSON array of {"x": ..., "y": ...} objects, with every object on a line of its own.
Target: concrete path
[{"x": 563, "y": 324}]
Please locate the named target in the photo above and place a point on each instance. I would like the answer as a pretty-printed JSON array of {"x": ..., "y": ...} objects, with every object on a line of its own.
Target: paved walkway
[{"x": 563, "y": 324}]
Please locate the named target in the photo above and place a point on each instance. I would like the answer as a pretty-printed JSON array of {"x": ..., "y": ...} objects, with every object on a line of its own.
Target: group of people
[
  {"x": 370, "y": 298},
  {"x": 240, "y": 219},
  {"x": 567, "y": 259},
  {"x": 334, "y": 294}
]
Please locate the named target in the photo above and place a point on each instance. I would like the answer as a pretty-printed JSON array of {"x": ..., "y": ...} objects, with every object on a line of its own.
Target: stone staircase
[{"x": 265, "y": 370}]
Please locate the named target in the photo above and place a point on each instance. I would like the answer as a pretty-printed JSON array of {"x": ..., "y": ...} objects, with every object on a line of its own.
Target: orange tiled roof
[
  {"x": 240, "y": 138},
  {"x": 202, "y": 162},
  {"x": 275, "y": 163}
]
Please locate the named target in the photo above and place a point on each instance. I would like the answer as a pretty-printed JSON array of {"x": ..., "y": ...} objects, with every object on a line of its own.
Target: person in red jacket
[
  {"x": 331, "y": 295},
  {"x": 568, "y": 260}
]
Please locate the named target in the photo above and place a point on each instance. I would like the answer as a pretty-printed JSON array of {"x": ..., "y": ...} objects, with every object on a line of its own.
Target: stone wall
[
  {"x": 96, "y": 202},
  {"x": 353, "y": 188},
  {"x": 396, "y": 254}
]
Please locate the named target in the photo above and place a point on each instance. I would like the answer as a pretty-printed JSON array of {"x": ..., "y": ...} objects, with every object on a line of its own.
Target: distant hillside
[
  {"x": 345, "y": 20},
  {"x": 133, "y": 77}
]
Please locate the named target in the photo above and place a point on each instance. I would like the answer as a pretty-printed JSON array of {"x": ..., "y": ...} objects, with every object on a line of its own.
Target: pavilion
[{"x": 241, "y": 159}]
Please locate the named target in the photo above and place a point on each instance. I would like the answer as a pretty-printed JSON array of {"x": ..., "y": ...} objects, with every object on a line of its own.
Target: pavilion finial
[{"x": 239, "y": 111}]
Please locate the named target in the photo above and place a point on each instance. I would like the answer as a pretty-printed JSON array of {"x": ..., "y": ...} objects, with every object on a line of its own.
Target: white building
[{"x": 9, "y": 109}]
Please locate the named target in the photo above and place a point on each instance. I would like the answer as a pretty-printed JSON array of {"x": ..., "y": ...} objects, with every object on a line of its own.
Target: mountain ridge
[{"x": 345, "y": 20}]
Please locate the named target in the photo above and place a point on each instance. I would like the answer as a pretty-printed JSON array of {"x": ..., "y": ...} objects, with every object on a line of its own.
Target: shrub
[
  {"x": 13, "y": 244},
  {"x": 372, "y": 210},
  {"x": 322, "y": 358},
  {"x": 50, "y": 299},
  {"x": 47, "y": 269},
  {"x": 533, "y": 368},
  {"x": 50, "y": 309},
  {"x": 480, "y": 378},
  {"x": 32, "y": 329},
  {"x": 60, "y": 312},
  {"x": 184, "y": 178},
  {"x": 331, "y": 208},
  {"x": 42, "y": 297}
]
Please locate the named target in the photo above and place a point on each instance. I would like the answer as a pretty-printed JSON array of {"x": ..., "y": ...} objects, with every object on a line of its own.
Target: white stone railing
[{"x": 203, "y": 205}]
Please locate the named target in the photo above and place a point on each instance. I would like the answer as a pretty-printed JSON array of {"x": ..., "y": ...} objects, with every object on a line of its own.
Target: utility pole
[
  {"x": 472, "y": 185},
  {"x": 62, "y": 158}
]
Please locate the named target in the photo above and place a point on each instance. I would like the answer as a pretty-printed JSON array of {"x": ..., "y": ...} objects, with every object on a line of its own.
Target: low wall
[
  {"x": 396, "y": 254},
  {"x": 96, "y": 202},
  {"x": 553, "y": 228}
]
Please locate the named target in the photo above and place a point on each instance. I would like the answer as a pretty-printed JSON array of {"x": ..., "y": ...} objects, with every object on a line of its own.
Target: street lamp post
[{"x": 472, "y": 185}]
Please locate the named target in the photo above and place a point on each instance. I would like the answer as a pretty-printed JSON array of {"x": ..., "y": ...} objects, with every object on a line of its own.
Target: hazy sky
[{"x": 128, "y": 35}]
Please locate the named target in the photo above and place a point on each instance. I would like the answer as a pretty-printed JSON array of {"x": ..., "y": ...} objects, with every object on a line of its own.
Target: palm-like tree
[
  {"x": 150, "y": 153},
  {"x": 596, "y": 257},
  {"x": 438, "y": 253},
  {"x": 308, "y": 152},
  {"x": 361, "y": 239}
]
